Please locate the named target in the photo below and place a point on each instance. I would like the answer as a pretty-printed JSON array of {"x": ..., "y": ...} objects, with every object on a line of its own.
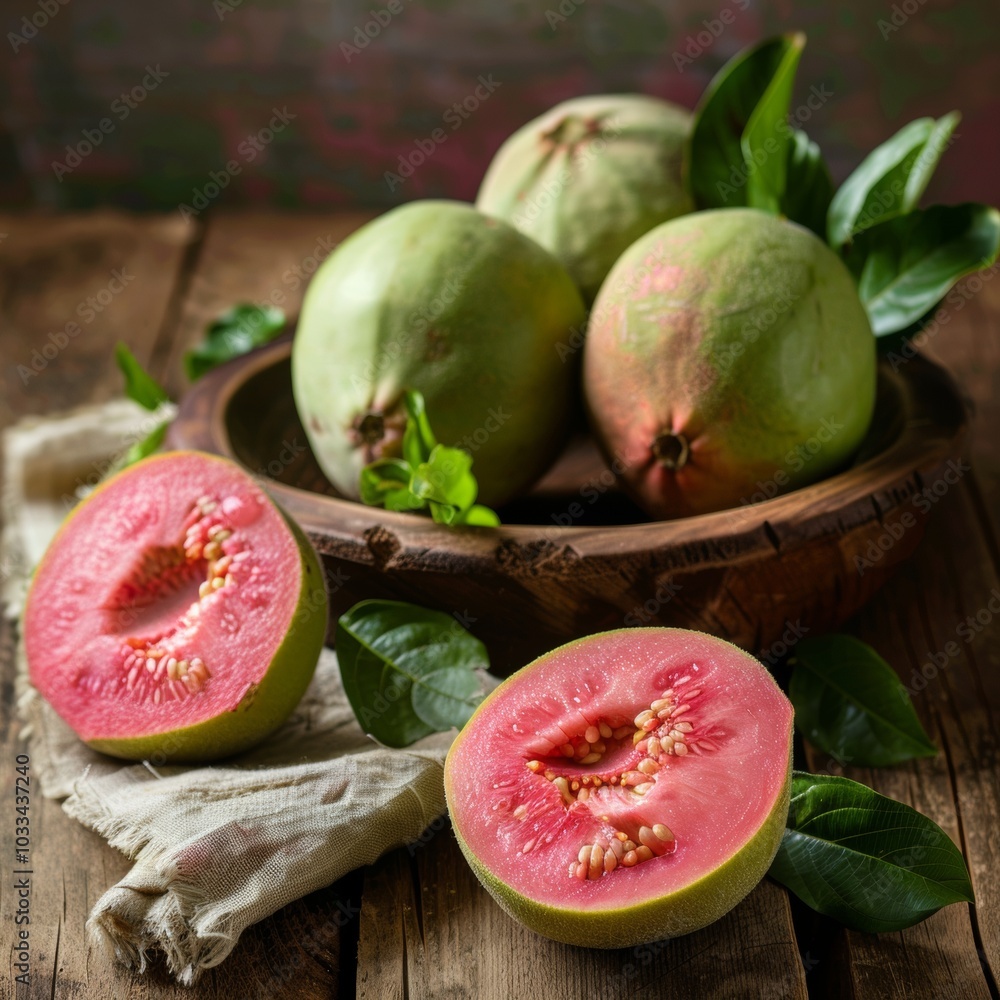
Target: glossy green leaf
[
  {"x": 447, "y": 697},
  {"x": 890, "y": 179},
  {"x": 138, "y": 451},
  {"x": 386, "y": 483},
  {"x": 232, "y": 334},
  {"x": 867, "y": 860},
  {"x": 140, "y": 386},
  {"x": 744, "y": 106},
  {"x": 418, "y": 438},
  {"x": 446, "y": 477},
  {"x": 905, "y": 266},
  {"x": 400, "y": 665},
  {"x": 429, "y": 475},
  {"x": 850, "y": 703},
  {"x": 808, "y": 187},
  {"x": 480, "y": 516},
  {"x": 443, "y": 513},
  {"x": 767, "y": 140}
]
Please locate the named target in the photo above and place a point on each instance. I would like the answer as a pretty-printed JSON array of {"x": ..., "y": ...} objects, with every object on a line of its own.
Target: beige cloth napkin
[{"x": 215, "y": 848}]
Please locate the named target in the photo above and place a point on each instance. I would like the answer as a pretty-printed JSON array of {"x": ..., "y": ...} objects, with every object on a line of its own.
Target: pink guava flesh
[
  {"x": 163, "y": 600},
  {"x": 714, "y": 777}
]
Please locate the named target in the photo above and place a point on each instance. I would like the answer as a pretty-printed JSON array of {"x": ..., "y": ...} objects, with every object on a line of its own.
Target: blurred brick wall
[{"x": 308, "y": 103}]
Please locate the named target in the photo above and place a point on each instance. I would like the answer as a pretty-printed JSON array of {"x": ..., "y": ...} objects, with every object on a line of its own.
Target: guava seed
[
  {"x": 658, "y": 736},
  {"x": 161, "y": 666}
]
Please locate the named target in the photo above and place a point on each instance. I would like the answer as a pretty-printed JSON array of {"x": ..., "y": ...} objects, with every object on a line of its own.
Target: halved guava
[
  {"x": 177, "y": 614},
  {"x": 626, "y": 787}
]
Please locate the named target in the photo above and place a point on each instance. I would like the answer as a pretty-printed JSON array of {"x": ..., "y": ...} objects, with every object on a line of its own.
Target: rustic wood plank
[
  {"x": 969, "y": 560},
  {"x": 937, "y": 957},
  {"x": 454, "y": 941},
  {"x": 916, "y": 623},
  {"x": 70, "y": 286},
  {"x": 260, "y": 257}
]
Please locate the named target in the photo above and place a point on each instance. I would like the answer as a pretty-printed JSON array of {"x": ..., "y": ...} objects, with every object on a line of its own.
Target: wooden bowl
[{"x": 576, "y": 556}]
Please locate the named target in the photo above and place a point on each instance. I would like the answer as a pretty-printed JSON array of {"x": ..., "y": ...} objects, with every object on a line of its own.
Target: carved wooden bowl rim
[{"x": 928, "y": 425}]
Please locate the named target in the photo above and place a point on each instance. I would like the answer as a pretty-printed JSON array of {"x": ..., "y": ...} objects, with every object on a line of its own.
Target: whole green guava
[{"x": 437, "y": 297}]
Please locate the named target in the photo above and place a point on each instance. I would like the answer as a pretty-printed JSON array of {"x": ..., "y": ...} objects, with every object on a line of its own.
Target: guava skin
[
  {"x": 727, "y": 353},
  {"x": 437, "y": 297},
  {"x": 589, "y": 177}
]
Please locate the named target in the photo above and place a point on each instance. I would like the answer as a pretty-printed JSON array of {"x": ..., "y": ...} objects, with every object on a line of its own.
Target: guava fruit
[
  {"x": 626, "y": 787},
  {"x": 589, "y": 177},
  {"x": 728, "y": 355},
  {"x": 434, "y": 296},
  {"x": 177, "y": 612}
]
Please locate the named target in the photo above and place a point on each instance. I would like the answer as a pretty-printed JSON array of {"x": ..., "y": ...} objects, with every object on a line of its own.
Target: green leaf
[
  {"x": 904, "y": 267},
  {"x": 480, "y": 516},
  {"x": 850, "y": 703},
  {"x": 447, "y": 697},
  {"x": 418, "y": 438},
  {"x": 150, "y": 443},
  {"x": 443, "y": 513},
  {"x": 401, "y": 667},
  {"x": 446, "y": 477},
  {"x": 429, "y": 475},
  {"x": 744, "y": 106},
  {"x": 232, "y": 334},
  {"x": 140, "y": 386},
  {"x": 867, "y": 860},
  {"x": 386, "y": 483},
  {"x": 808, "y": 187},
  {"x": 890, "y": 179},
  {"x": 767, "y": 139}
]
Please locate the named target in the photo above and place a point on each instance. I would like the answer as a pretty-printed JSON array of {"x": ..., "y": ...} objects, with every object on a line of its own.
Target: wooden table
[{"x": 417, "y": 923}]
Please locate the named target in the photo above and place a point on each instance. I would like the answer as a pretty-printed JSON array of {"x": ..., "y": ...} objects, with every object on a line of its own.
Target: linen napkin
[{"x": 216, "y": 848}]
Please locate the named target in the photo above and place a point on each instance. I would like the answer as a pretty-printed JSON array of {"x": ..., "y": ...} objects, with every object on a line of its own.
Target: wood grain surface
[{"x": 417, "y": 924}]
